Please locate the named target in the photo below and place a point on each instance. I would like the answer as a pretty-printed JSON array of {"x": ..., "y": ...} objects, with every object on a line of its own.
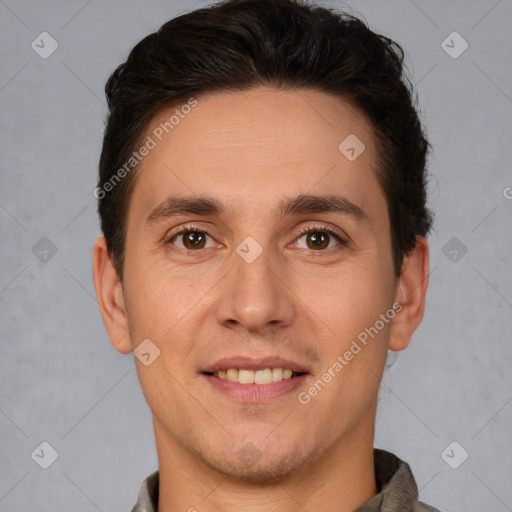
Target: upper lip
[{"x": 247, "y": 363}]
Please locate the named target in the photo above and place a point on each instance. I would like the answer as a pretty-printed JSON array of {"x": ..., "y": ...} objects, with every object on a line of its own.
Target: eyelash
[{"x": 310, "y": 229}]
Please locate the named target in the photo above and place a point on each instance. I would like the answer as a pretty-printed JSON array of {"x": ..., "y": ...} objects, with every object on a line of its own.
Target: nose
[{"x": 256, "y": 295}]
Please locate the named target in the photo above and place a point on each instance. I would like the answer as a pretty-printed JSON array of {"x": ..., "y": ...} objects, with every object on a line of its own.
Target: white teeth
[
  {"x": 246, "y": 377},
  {"x": 277, "y": 374},
  {"x": 232, "y": 375},
  {"x": 263, "y": 376}
]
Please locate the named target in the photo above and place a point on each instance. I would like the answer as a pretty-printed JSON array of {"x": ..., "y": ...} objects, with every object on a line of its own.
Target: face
[{"x": 280, "y": 257}]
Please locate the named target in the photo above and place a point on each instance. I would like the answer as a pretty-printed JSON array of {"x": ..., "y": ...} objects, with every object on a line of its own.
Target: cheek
[
  {"x": 168, "y": 308},
  {"x": 350, "y": 303},
  {"x": 348, "y": 300},
  {"x": 162, "y": 309}
]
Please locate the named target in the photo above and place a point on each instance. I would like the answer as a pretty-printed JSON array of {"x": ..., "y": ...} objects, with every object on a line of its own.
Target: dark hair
[{"x": 238, "y": 44}]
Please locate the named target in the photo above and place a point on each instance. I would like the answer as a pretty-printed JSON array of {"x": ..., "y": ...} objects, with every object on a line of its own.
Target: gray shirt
[{"x": 396, "y": 487}]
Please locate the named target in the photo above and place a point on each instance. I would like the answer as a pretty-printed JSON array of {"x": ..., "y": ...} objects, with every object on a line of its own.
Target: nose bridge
[{"x": 253, "y": 294}]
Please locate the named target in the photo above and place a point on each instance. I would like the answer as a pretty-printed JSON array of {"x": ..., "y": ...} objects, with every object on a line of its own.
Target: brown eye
[
  {"x": 194, "y": 240},
  {"x": 190, "y": 239},
  {"x": 317, "y": 240}
]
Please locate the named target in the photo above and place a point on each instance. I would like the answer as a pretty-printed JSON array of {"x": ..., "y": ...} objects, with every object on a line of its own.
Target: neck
[{"x": 342, "y": 479}]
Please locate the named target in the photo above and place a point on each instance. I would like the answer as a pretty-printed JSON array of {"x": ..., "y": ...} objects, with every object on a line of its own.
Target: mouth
[
  {"x": 261, "y": 376},
  {"x": 255, "y": 380}
]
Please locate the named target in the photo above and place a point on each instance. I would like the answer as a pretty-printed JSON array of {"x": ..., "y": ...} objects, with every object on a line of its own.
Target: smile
[{"x": 262, "y": 376}]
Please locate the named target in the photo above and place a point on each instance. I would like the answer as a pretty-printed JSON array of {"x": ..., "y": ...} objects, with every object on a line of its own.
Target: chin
[{"x": 251, "y": 466}]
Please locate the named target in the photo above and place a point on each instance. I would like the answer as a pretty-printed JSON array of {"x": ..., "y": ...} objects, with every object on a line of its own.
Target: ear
[
  {"x": 410, "y": 293},
  {"x": 109, "y": 292}
]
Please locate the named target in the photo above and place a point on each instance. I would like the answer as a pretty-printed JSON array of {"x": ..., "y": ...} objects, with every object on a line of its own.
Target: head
[{"x": 283, "y": 138}]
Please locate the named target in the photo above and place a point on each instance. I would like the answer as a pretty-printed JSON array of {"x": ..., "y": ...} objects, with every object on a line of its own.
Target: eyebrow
[{"x": 305, "y": 203}]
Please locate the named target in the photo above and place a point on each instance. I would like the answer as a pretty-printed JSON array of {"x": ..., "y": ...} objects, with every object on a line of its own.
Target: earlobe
[
  {"x": 109, "y": 293},
  {"x": 410, "y": 294}
]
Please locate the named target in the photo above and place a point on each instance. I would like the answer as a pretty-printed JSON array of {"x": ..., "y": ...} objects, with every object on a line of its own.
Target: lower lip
[{"x": 256, "y": 392}]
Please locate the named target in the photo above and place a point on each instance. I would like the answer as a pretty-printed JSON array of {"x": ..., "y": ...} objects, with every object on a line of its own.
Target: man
[{"x": 262, "y": 200}]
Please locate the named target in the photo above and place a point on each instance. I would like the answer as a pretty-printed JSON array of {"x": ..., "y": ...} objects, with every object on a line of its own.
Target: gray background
[{"x": 63, "y": 383}]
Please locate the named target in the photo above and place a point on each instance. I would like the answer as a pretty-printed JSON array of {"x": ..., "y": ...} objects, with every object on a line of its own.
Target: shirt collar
[{"x": 396, "y": 488}]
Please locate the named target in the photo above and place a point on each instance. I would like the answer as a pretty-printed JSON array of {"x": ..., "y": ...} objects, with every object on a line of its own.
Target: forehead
[
  {"x": 254, "y": 146},
  {"x": 264, "y": 119}
]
